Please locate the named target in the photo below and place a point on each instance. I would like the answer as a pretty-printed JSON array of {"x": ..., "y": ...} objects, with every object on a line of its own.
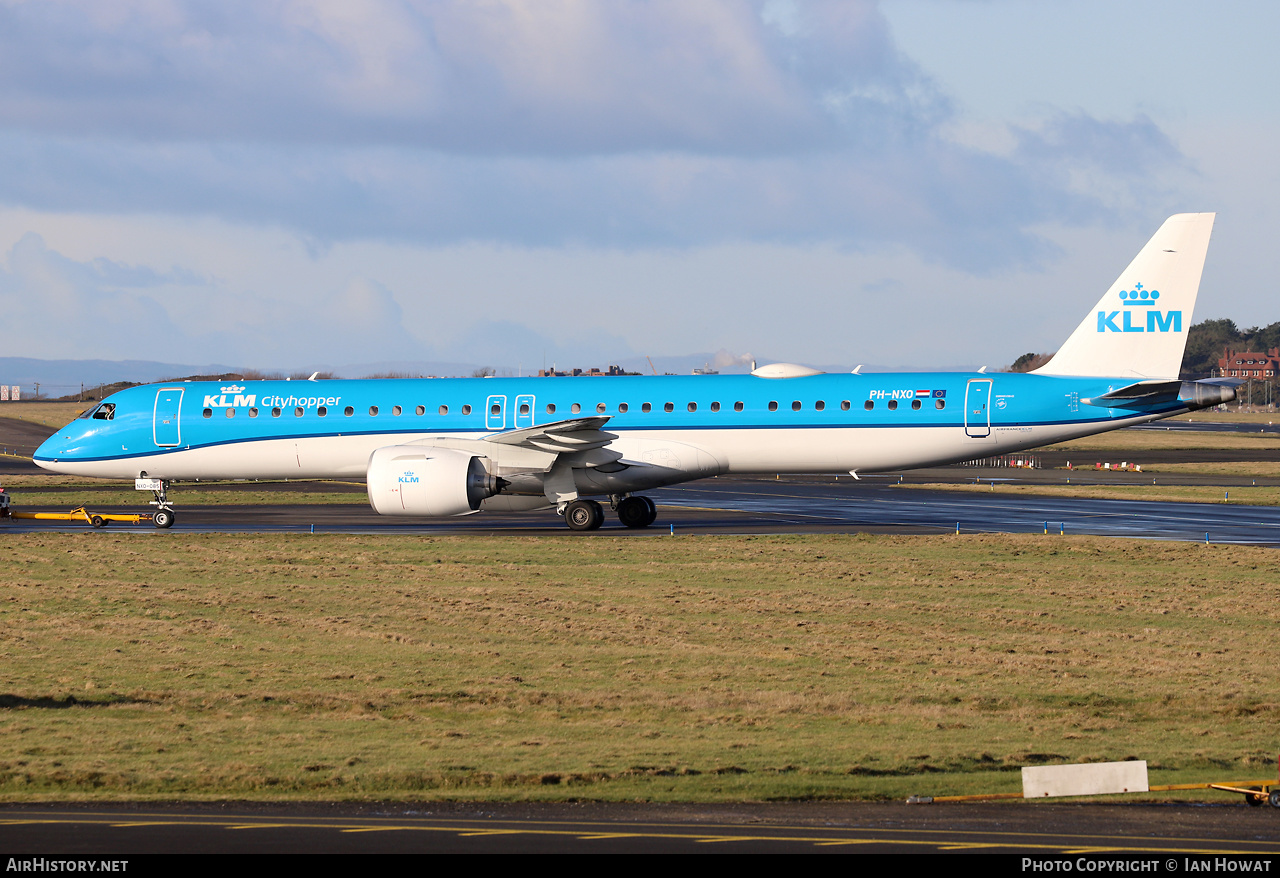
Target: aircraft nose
[{"x": 51, "y": 451}]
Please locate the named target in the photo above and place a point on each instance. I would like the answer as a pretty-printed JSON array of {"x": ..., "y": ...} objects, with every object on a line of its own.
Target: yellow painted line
[
  {"x": 597, "y": 836},
  {"x": 970, "y": 845},
  {"x": 1015, "y": 840},
  {"x": 259, "y": 826}
]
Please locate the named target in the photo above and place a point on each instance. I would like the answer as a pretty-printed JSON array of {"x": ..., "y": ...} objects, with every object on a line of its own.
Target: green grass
[{"x": 694, "y": 668}]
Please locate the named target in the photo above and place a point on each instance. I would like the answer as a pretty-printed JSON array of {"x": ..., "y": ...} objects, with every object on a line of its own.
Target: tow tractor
[{"x": 162, "y": 517}]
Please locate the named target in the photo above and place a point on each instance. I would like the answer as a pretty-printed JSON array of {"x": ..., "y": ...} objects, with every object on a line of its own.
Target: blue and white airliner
[{"x": 444, "y": 447}]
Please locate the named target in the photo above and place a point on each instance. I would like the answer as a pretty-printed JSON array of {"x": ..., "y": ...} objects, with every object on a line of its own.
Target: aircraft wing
[{"x": 559, "y": 437}]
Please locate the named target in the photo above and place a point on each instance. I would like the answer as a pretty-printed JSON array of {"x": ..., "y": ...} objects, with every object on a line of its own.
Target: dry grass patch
[
  {"x": 686, "y": 668},
  {"x": 52, "y": 414},
  {"x": 1246, "y": 495},
  {"x": 1170, "y": 440}
]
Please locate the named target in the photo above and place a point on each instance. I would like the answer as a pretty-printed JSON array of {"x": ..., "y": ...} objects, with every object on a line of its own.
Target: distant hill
[{"x": 63, "y": 377}]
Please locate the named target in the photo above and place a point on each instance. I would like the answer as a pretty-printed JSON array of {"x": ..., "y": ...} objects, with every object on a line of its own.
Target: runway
[
  {"x": 795, "y": 505},
  {"x": 1042, "y": 830}
]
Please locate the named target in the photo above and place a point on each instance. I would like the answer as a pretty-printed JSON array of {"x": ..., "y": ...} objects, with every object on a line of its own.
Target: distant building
[
  {"x": 589, "y": 373},
  {"x": 1249, "y": 364}
]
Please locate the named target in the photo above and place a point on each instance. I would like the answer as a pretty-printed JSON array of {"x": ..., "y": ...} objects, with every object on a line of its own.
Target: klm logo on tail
[{"x": 1139, "y": 298}]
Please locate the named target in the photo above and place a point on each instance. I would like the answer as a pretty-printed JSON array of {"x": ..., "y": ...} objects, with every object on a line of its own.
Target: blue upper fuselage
[{"x": 158, "y": 419}]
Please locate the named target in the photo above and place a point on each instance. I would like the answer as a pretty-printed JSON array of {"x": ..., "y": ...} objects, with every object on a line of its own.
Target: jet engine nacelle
[{"x": 423, "y": 480}]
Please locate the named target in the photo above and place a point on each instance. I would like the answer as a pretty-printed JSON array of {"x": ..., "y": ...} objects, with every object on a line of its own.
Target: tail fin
[{"x": 1139, "y": 328}]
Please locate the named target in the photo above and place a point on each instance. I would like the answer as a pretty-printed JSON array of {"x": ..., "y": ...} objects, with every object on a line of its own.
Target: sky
[{"x": 909, "y": 183}]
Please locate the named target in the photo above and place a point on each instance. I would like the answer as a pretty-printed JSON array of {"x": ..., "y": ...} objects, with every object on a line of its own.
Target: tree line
[{"x": 1205, "y": 343}]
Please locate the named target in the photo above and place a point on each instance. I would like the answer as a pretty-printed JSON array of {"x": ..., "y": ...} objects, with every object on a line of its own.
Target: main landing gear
[{"x": 589, "y": 515}]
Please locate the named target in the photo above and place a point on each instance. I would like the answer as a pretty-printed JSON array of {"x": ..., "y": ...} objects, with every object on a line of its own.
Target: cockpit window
[{"x": 105, "y": 412}]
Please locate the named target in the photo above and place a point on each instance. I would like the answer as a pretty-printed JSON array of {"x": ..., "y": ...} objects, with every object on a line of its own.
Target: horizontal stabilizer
[{"x": 1193, "y": 394}]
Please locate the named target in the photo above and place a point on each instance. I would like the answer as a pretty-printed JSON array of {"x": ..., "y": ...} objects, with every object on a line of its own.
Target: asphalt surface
[
  {"x": 1038, "y": 829},
  {"x": 796, "y": 504}
]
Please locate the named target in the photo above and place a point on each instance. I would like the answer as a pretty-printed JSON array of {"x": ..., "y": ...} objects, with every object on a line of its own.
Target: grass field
[
  {"x": 1172, "y": 440},
  {"x": 53, "y": 414},
  {"x": 1240, "y": 496},
  {"x": 694, "y": 668}
]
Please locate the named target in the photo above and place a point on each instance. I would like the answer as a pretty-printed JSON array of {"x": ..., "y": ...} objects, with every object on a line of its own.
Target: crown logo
[
  {"x": 1139, "y": 297},
  {"x": 232, "y": 388}
]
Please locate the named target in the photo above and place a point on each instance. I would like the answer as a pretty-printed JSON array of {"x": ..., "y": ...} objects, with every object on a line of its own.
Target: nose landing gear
[{"x": 163, "y": 516}]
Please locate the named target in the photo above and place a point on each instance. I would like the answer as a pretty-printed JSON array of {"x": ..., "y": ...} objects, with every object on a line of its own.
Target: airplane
[{"x": 447, "y": 447}]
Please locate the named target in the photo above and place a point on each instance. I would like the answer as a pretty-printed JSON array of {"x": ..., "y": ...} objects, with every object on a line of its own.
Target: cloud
[
  {"x": 606, "y": 125},
  {"x": 57, "y": 307}
]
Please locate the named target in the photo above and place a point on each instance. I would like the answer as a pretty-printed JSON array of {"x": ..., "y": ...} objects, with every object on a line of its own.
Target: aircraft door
[
  {"x": 166, "y": 429},
  {"x": 524, "y": 410},
  {"x": 977, "y": 408},
  {"x": 495, "y": 413}
]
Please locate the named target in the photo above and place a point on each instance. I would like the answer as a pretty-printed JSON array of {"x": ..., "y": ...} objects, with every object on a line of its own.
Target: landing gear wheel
[
  {"x": 98, "y": 521},
  {"x": 637, "y": 512},
  {"x": 584, "y": 515},
  {"x": 1274, "y": 798},
  {"x": 653, "y": 509},
  {"x": 163, "y": 518}
]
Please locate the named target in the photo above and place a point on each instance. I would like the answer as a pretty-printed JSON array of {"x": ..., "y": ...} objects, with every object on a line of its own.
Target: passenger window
[
  {"x": 600, "y": 407},
  {"x": 844, "y": 405},
  {"x": 669, "y": 407},
  {"x": 396, "y": 410},
  {"x": 466, "y": 409},
  {"x": 868, "y": 405},
  {"x": 575, "y": 408},
  {"x": 773, "y": 406},
  {"x": 348, "y": 411},
  {"x": 795, "y": 406},
  {"x": 275, "y": 413},
  {"x": 893, "y": 405},
  {"x": 737, "y": 406},
  {"x": 298, "y": 412},
  {"x": 622, "y": 407},
  {"x": 915, "y": 405},
  {"x": 693, "y": 406},
  {"x": 373, "y": 411},
  {"x": 322, "y": 411},
  {"x": 819, "y": 405},
  {"x": 646, "y": 408},
  {"x": 444, "y": 410},
  {"x": 715, "y": 406},
  {"x": 208, "y": 413},
  {"x": 253, "y": 413},
  {"x": 940, "y": 404},
  {"x": 231, "y": 413},
  {"x": 551, "y": 408},
  {"x": 420, "y": 410}
]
